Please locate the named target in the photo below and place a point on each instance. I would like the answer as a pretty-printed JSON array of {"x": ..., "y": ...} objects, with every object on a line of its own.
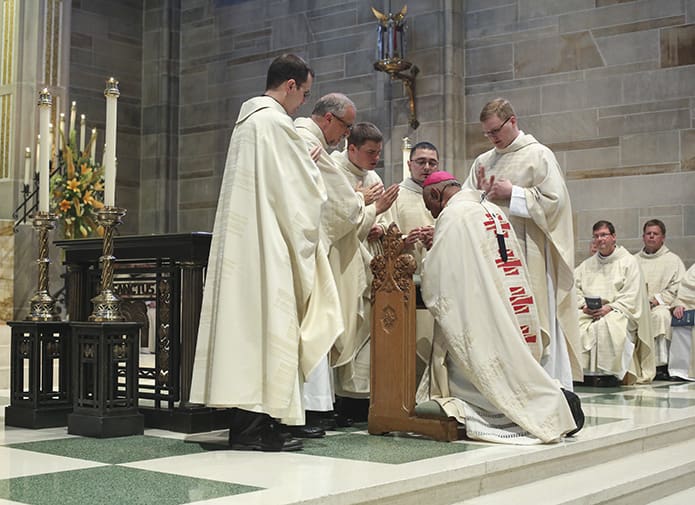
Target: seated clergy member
[
  {"x": 485, "y": 368},
  {"x": 681, "y": 360},
  {"x": 616, "y": 337},
  {"x": 663, "y": 271}
]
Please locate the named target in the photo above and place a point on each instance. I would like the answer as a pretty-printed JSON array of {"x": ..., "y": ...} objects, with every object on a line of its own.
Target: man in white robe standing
[
  {"x": 616, "y": 336},
  {"x": 352, "y": 364},
  {"x": 264, "y": 273},
  {"x": 522, "y": 176},
  {"x": 485, "y": 368},
  {"x": 681, "y": 361},
  {"x": 663, "y": 271},
  {"x": 417, "y": 224},
  {"x": 330, "y": 122}
]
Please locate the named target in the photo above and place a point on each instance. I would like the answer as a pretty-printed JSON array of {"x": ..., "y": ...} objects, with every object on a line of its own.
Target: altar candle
[
  {"x": 406, "y": 157},
  {"x": 111, "y": 93},
  {"x": 61, "y": 131},
  {"x": 73, "y": 114},
  {"x": 38, "y": 146},
  {"x": 44, "y": 150},
  {"x": 27, "y": 165},
  {"x": 92, "y": 153},
  {"x": 83, "y": 126}
]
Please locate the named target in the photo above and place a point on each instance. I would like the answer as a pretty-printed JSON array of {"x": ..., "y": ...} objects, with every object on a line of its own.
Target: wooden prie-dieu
[{"x": 393, "y": 376}]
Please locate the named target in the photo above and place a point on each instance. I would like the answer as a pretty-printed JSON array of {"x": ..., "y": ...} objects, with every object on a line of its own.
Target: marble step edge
[
  {"x": 634, "y": 479},
  {"x": 457, "y": 481}
]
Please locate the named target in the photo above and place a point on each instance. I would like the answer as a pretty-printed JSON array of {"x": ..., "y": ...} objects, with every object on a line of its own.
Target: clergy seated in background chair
[
  {"x": 485, "y": 369},
  {"x": 616, "y": 336},
  {"x": 681, "y": 360},
  {"x": 663, "y": 271}
]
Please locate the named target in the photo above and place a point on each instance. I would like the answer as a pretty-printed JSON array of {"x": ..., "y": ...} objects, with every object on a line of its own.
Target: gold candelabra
[{"x": 107, "y": 305}]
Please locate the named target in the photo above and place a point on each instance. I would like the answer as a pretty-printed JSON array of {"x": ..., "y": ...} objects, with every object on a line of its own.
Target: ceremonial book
[
  {"x": 593, "y": 302},
  {"x": 688, "y": 319}
]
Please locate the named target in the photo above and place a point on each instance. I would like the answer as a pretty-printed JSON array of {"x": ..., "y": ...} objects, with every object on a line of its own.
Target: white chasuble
[
  {"x": 547, "y": 243},
  {"x": 485, "y": 370},
  {"x": 264, "y": 273},
  {"x": 662, "y": 272},
  {"x": 682, "y": 352},
  {"x": 340, "y": 223},
  {"x": 618, "y": 280}
]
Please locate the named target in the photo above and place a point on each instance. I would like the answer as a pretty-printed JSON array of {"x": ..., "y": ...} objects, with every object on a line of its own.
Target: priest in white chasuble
[
  {"x": 523, "y": 177},
  {"x": 663, "y": 271},
  {"x": 330, "y": 122},
  {"x": 616, "y": 335},
  {"x": 265, "y": 274},
  {"x": 485, "y": 368},
  {"x": 681, "y": 361}
]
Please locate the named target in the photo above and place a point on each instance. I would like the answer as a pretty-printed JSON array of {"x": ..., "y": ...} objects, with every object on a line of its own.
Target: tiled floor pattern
[{"x": 50, "y": 467}]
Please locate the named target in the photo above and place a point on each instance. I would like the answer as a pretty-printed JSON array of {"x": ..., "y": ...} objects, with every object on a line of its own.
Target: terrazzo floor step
[
  {"x": 636, "y": 479},
  {"x": 684, "y": 497}
]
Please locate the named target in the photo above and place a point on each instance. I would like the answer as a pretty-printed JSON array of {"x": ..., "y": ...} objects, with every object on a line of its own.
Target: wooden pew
[{"x": 392, "y": 397}]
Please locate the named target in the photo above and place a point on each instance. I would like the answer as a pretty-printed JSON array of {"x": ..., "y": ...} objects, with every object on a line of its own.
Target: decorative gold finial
[
  {"x": 45, "y": 97},
  {"x": 112, "y": 88}
]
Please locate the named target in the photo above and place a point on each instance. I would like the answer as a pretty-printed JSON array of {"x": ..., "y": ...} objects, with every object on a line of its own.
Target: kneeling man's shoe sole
[{"x": 575, "y": 406}]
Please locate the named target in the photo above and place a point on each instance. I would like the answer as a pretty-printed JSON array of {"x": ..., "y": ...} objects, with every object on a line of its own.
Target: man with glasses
[
  {"x": 522, "y": 176},
  {"x": 613, "y": 313},
  {"x": 330, "y": 122},
  {"x": 485, "y": 367},
  {"x": 265, "y": 274}
]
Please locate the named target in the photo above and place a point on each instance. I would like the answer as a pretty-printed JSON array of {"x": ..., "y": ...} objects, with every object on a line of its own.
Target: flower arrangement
[{"x": 77, "y": 188}]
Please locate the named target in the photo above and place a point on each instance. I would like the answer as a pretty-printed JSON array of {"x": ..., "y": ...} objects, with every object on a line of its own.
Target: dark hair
[
  {"x": 423, "y": 145},
  {"x": 286, "y": 67},
  {"x": 363, "y": 132},
  {"x": 601, "y": 224},
  {"x": 655, "y": 222}
]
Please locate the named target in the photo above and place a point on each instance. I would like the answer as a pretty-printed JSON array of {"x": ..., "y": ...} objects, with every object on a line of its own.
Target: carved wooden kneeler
[{"x": 392, "y": 397}]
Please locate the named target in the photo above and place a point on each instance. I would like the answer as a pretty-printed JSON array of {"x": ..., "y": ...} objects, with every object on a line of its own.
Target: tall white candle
[
  {"x": 61, "y": 131},
  {"x": 93, "y": 143},
  {"x": 38, "y": 158},
  {"x": 83, "y": 127},
  {"x": 111, "y": 93},
  {"x": 406, "y": 157},
  {"x": 27, "y": 165},
  {"x": 44, "y": 152},
  {"x": 73, "y": 114}
]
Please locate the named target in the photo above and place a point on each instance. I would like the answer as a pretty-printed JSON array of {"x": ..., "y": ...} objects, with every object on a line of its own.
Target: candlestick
[
  {"x": 44, "y": 118},
  {"x": 27, "y": 165},
  {"x": 406, "y": 157},
  {"x": 83, "y": 128},
  {"x": 61, "y": 131},
  {"x": 111, "y": 93},
  {"x": 43, "y": 305},
  {"x": 107, "y": 303},
  {"x": 73, "y": 114}
]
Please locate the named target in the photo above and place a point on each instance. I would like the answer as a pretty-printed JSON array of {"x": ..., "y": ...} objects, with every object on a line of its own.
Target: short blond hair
[{"x": 500, "y": 107}]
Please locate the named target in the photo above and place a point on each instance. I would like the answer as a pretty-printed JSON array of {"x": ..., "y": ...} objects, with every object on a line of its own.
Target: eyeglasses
[
  {"x": 495, "y": 131},
  {"x": 601, "y": 235},
  {"x": 421, "y": 162},
  {"x": 343, "y": 122}
]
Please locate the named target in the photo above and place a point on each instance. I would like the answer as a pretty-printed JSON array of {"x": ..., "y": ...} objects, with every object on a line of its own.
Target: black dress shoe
[
  {"x": 342, "y": 420},
  {"x": 575, "y": 406},
  {"x": 270, "y": 439},
  {"x": 323, "y": 420},
  {"x": 304, "y": 431}
]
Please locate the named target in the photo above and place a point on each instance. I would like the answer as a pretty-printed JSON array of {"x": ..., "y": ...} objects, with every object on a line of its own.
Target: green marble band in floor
[
  {"x": 114, "y": 485},
  {"x": 113, "y": 450},
  {"x": 392, "y": 449}
]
